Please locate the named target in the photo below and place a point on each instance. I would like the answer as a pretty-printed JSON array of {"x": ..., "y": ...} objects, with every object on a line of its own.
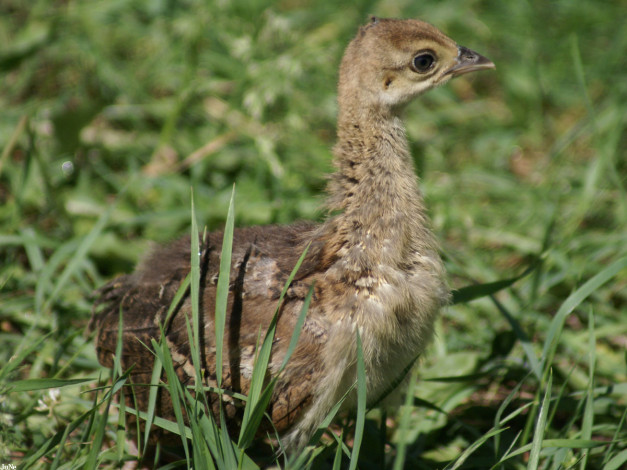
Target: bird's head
[{"x": 392, "y": 61}]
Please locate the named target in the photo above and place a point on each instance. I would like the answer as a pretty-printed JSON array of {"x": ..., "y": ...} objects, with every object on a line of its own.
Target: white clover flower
[{"x": 47, "y": 402}]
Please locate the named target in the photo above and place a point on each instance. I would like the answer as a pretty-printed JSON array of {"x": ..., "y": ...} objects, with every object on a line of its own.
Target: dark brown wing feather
[{"x": 262, "y": 260}]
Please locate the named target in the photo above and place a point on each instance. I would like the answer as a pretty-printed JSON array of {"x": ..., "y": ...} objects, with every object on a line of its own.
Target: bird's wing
[{"x": 261, "y": 263}]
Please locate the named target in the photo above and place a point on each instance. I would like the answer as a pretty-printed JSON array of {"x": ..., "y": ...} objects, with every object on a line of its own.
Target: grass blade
[
  {"x": 361, "y": 404},
  {"x": 155, "y": 378},
  {"x": 180, "y": 293},
  {"x": 248, "y": 433},
  {"x": 615, "y": 439},
  {"x": 403, "y": 427},
  {"x": 29, "y": 347},
  {"x": 173, "y": 386},
  {"x": 121, "y": 431},
  {"x": 194, "y": 338},
  {"x": 78, "y": 256},
  {"x": 337, "y": 459},
  {"x": 326, "y": 422},
  {"x": 617, "y": 462},
  {"x": 475, "y": 291},
  {"x": 53, "y": 442},
  {"x": 8, "y": 148},
  {"x": 28, "y": 385},
  {"x": 117, "y": 370},
  {"x": 474, "y": 446},
  {"x": 497, "y": 417},
  {"x": 229, "y": 453},
  {"x": 157, "y": 367},
  {"x": 222, "y": 289},
  {"x": 588, "y": 413},
  {"x": 558, "y": 444},
  {"x": 101, "y": 424},
  {"x": 298, "y": 326},
  {"x": 210, "y": 431},
  {"x": 57, "y": 457},
  {"x": 522, "y": 337},
  {"x": 170, "y": 426},
  {"x": 573, "y": 300},
  {"x": 252, "y": 414},
  {"x": 538, "y": 436}
]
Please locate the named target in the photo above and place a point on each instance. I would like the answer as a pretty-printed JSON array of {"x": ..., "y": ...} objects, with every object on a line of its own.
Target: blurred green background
[{"x": 112, "y": 111}]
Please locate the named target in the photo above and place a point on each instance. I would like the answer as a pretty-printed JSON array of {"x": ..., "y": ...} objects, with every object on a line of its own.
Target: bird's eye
[{"x": 423, "y": 62}]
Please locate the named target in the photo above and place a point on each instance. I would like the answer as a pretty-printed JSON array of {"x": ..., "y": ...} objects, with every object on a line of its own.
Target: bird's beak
[{"x": 468, "y": 61}]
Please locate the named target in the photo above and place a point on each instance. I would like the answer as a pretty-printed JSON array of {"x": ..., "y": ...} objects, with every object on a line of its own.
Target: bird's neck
[{"x": 381, "y": 219}]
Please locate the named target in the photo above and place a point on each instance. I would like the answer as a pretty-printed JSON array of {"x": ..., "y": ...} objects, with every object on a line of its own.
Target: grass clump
[{"x": 113, "y": 110}]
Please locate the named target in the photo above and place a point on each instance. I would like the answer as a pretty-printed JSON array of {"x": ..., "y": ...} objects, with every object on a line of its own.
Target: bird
[{"x": 373, "y": 264}]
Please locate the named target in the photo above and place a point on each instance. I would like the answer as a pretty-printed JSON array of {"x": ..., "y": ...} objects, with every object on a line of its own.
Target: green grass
[{"x": 113, "y": 111}]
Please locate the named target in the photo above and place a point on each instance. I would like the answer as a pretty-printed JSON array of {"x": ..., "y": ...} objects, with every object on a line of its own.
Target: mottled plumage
[{"x": 374, "y": 264}]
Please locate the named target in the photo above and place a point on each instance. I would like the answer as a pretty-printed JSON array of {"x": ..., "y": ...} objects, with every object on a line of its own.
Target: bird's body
[{"x": 374, "y": 264}]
